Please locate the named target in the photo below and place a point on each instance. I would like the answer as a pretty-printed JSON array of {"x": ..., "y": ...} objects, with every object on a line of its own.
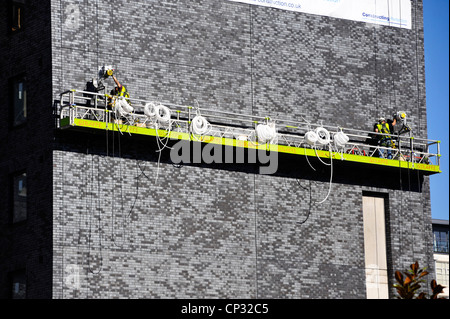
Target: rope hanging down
[
  {"x": 321, "y": 137},
  {"x": 160, "y": 115},
  {"x": 122, "y": 107}
]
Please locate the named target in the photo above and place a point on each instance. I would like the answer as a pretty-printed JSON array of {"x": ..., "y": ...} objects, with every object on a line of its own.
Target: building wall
[
  {"x": 440, "y": 249},
  {"x": 27, "y": 148},
  {"x": 202, "y": 231},
  {"x": 441, "y": 262}
]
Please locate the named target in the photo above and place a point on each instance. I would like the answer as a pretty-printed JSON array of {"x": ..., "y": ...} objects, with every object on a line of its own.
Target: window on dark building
[
  {"x": 18, "y": 284},
  {"x": 16, "y": 16},
  {"x": 440, "y": 240},
  {"x": 19, "y": 208},
  {"x": 19, "y": 101}
]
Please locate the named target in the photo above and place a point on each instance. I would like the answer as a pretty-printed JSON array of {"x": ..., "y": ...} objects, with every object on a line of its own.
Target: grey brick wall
[{"x": 205, "y": 232}]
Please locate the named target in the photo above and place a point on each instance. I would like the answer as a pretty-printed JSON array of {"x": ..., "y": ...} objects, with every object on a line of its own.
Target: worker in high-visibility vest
[
  {"x": 385, "y": 127},
  {"x": 119, "y": 90}
]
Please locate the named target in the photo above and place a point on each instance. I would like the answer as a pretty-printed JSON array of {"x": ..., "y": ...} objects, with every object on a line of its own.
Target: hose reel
[
  {"x": 266, "y": 133},
  {"x": 311, "y": 138},
  {"x": 340, "y": 139},
  {"x": 320, "y": 136},
  {"x": 323, "y": 136},
  {"x": 157, "y": 111},
  {"x": 200, "y": 125}
]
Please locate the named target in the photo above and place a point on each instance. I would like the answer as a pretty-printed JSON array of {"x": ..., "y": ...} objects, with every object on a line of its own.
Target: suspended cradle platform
[{"x": 80, "y": 110}]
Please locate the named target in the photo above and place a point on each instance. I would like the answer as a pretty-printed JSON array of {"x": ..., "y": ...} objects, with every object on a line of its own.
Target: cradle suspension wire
[
  {"x": 307, "y": 159},
  {"x": 99, "y": 220},
  {"x": 126, "y": 218},
  {"x": 310, "y": 202},
  {"x": 331, "y": 177}
]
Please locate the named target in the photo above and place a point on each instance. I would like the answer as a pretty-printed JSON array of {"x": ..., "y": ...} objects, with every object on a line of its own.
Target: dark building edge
[{"x": 27, "y": 245}]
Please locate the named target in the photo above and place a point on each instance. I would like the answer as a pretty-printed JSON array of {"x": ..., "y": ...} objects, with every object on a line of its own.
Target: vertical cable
[
  {"x": 416, "y": 33},
  {"x": 61, "y": 43},
  {"x": 98, "y": 40},
  {"x": 99, "y": 219},
  {"x": 61, "y": 221},
  {"x": 425, "y": 238},
  {"x": 410, "y": 201},
  {"x": 391, "y": 53},
  {"x": 376, "y": 74},
  {"x": 251, "y": 61},
  {"x": 256, "y": 235},
  {"x": 391, "y": 57},
  {"x": 254, "y": 175},
  {"x": 417, "y": 66},
  {"x": 416, "y": 27},
  {"x": 99, "y": 209}
]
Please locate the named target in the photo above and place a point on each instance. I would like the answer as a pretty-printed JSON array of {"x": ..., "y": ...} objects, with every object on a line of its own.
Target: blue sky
[{"x": 436, "y": 27}]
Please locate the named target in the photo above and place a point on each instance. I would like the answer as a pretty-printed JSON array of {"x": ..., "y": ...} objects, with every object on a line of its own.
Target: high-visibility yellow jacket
[
  {"x": 385, "y": 129},
  {"x": 123, "y": 92}
]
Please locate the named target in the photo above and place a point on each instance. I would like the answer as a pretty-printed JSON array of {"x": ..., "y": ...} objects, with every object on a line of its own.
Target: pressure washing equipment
[
  {"x": 400, "y": 116},
  {"x": 105, "y": 71}
]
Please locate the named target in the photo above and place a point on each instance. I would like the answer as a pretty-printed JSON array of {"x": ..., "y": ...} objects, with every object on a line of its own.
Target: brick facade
[{"x": 202, "y": 231}]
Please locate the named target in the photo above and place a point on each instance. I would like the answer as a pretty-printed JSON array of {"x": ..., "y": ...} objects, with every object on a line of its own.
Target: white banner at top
[{"x": 394, "y": 13}]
